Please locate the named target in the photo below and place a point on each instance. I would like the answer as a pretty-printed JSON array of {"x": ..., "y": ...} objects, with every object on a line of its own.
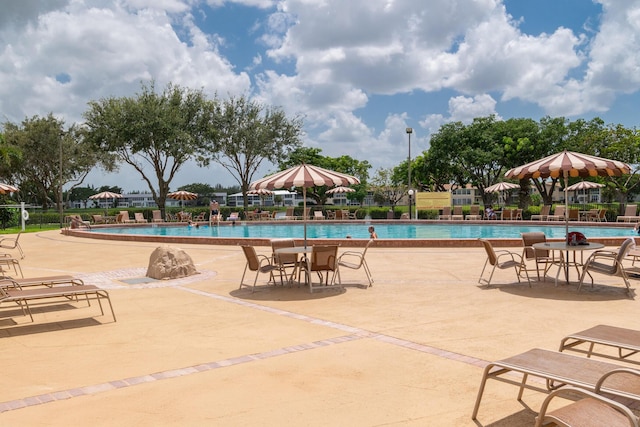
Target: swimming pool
[{"x": 359, "y": 231}]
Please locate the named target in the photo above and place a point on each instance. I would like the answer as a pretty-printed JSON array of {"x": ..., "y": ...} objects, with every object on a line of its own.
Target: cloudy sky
[{"x": 358, "y": 71}]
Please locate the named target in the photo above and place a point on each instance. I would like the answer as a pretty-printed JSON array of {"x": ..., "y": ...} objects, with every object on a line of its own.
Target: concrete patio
[{"x": 197, "y": 351}]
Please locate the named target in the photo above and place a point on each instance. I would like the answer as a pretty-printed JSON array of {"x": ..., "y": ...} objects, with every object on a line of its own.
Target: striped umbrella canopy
[
  {"x": 341, "y": 189},
  {"x": 106, "y": 195},
  {"x": 6, "y": 188},
  {"x": 182, "y": 196},
  {"x": 566, "y": 164},
  {"x": 261, "y": 192},
  {"x": 304, "y": 176},
  {"x": 584, "y": 185},
  {"x": 501, "y": 186}
]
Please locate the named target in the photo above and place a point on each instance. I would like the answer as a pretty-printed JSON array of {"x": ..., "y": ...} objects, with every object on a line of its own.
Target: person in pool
[{"x": 372, "y": 233}]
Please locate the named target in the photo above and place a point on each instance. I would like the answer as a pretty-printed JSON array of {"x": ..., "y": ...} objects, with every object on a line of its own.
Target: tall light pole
[
  {"x": 60, "y": 184},
  {"x": 410, "y": 193}
]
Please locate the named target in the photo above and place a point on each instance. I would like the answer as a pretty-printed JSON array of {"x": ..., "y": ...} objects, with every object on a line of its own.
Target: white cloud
[{"x": 461, "y": 109}]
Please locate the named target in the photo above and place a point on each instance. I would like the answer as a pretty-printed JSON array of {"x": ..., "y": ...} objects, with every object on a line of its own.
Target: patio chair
[
  {"x": 139, "y": 218},
  {"x": 602, "y": 215},
  {"x": 517, "y": 215},
  {"x": 561, "y": 369},
  {"x": 544, "y": 213},
  {"x": 558, "y": 214},
  {"x": 630, "y": 214},
  {"x": 318, "y": 215},
  {"x": 12, "y": 243},
  {"x": 338, "y": 214},
  {"x": 508, "y": 214},
  {"x": 250, "y": 215},
  {"x": 574, "y": 214},
  {"x": 97, "y": 219},
  {"x": 201, "y": 217},
  {"x": 156, "y": 216},
  {"x": 233, "y": 216},
  {"x": 608, "y": 262},
  {"x": 257, "y": 263},
  {"x": 323, "y": 259},
  {"x": 290, "y": 213},
  {"x": 331, "y": 214},
  {"x": 76, "y": 221},
  {"x": 6, "y": 262},
  {"x": 592, "y": 215},
  {"x": 285, "y": 261},
  {"x": 474, "y": 213},
  {"x": 355, "y": 260},
  {"x": 591, "y": 410},
  {"x": 124, "y": 217},
  {"x": 457, "y": 214},
  {"x": 404, "y": 215},
  {"x": 354, "y": 214},
  {"x": 502, "y": 260},
  {"x": 446, "y": 213},
  {"x": 171, "y": 217},
  {"x": 626, "y": 341},
  {"x": 539, "y": 256}
]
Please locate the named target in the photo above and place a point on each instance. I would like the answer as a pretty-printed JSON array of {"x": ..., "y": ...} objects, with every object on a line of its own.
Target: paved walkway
[{"x": 407, "y": 351}]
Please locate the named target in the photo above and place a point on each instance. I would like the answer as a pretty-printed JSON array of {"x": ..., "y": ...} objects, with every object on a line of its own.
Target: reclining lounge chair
[
  {"x": 627, "y": 341},
  {"x": 559, "y": 369}
]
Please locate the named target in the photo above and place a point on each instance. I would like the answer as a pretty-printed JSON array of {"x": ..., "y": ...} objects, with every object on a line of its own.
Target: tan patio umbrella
[
  {"x": 7, "y": 189},
  {"x": 106, "y": 195},
  {"x": 500, "y": 187},
  {"x": 304, "y": 176},
  {"x": 584, "y": 185},
  {"x": 182, "y": 196},
  {"x": 341, "y": 189},
  {"x": 262, "y": 192},
  {"x": 566, "y": 164}
]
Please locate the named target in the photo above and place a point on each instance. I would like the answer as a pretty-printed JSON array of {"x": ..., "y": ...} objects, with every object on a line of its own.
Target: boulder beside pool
[{"x": 167, "y": 262}]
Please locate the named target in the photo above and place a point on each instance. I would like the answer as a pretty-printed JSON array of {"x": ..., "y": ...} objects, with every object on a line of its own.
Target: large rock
[{"x": 167, "y": 262}]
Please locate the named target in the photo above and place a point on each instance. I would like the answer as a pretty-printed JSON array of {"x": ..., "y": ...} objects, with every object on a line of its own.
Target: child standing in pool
[{"x": 372, "y": 233}]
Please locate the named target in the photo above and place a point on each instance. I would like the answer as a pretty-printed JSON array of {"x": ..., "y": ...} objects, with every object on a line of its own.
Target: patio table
[{"x": 565, "y": 263}]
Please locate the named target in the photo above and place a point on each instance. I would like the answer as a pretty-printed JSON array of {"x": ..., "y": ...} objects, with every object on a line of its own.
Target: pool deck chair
[
  {"x": 355, "y": 260},
  {"x": 626, "y": 341},
  {"x": 559, "y": 369},
  {"x": 558, "y": 214},
  {"x": 49, "y": 281},
  {"x": 630, "y": 214},
  {"x": 542, "y": 216},
  {"x": 609, "y": 263},
  {"x": 12, "y": 243},
  {"x": 501, "y": 259},
  {"x": 590, "y": 410},
  {"x": 156, "y": 216},
  {"x": 257, "y": 263},
  {"x": 474, "y": 213},
  {"x": 446, "y": 213},
  {"x": 323, "y": 259},
  {"x": 540, "y": 257},
  {"x": 59, "y": 294},
  {"x": 457, "y": 214}
]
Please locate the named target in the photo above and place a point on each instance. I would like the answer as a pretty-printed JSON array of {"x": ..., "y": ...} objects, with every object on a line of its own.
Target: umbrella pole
[
  {"x": 566, "y": 223},
  {"x": 304, "y": 216}
]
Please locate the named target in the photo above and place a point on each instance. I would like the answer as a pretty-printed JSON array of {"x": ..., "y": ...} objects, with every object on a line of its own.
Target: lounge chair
[
  {"x": 558, "y": 214},
  {"x": 48, "y": 281},
  {"x": 318, "y": 215},
  {"x": 474, "y": 213},
  {"x": 7, "y": 261},
  {"x": 64, "y": 294},
  {"x": 12, "y": 243},
  {"x": 508, "y": 214},
  {"x": 339, "y": 214},
  {"x": 171, "y": 217},
  {"x": 518, "y": 214},
  {"x": 331, "y": 214},
  {"x": 630, "y": 214},
  {"x": 323, "y": 259},
  {"x": 502, "y": 260},
  {"x": 124, "y": 217},
  {"x": 97, "y": 219},
  {"x": 559, "y": 369},
  {"x": 446, "y": 213},
  {"x": 404, "y": 215},
  {"x": 355, "y": 260},
  {"x": 591, "y": 410},
  {"x": 626, "y": 341},
  {"x": 257, "y": 263},
  {"x": 540, "y": 257},
  {"x": 457, "y": 214},
  {"x": 574, "y": 214},
  {"x": 250, "y": 215},
  {"x": 290, "y": 213},
  {"x": 608, "y": 262},
  {"x": 354, "y": 214},
  {"x": 76, "y": 221},
  {"x": 201, "y": 217},
  {"x": 156, "y": 216},
  {"x": 544, "y": 213},
  {"x": 139, "y": 217},
  {"x": 233, "y": 216}
]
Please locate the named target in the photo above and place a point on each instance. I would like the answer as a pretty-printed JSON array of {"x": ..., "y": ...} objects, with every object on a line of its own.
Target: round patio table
[{"x": 562, "y": 247}]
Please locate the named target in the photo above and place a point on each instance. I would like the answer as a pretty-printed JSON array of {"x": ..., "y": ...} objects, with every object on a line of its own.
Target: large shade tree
[
  {"x": 248, "y": 133},
  {"x": 155, "y": 133},
  {"x": 50, "y": 158}
]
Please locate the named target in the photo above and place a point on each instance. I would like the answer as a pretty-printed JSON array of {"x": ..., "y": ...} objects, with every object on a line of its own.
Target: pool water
[{"x": 359, "y": 231}]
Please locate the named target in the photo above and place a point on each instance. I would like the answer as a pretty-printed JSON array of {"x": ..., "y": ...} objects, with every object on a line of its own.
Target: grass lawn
[{"x": 29, "y": 228}]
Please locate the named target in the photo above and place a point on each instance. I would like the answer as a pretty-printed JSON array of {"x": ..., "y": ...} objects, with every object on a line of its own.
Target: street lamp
[{"x": 409, "y": 132}]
